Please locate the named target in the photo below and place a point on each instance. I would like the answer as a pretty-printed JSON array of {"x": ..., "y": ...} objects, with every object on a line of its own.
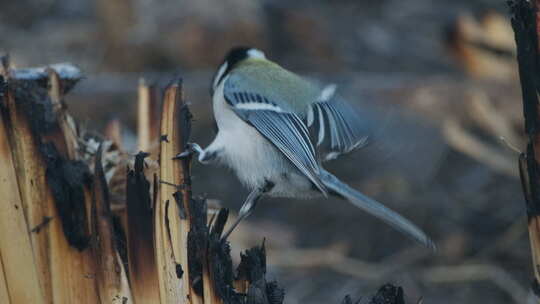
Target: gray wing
[
  {"x": 283, "y": 128},
  {"x": 336, "y": 124}
]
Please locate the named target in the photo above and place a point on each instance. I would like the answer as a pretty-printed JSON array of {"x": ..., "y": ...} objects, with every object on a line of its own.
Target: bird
[{"x": 275, "y": 129}]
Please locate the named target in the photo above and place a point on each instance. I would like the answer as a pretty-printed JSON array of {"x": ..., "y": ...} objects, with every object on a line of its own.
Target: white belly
[{"x": 254, "y": 159}]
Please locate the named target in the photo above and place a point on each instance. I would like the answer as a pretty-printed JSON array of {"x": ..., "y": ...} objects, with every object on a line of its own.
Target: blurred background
[{"x": 435, "y": 80}]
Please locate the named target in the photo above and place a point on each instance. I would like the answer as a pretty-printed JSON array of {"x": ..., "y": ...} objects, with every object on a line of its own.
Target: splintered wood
[
  {"x": 18, "y": 264},
  {"x": 147, "y": 118},
  {"x": 62, "y": 240},
  {"x": 140, "y": 235},
  {"x": 39, "y": 144},
  {"x": 110, "y": 271},
  {"x": 173, "y": 205}
]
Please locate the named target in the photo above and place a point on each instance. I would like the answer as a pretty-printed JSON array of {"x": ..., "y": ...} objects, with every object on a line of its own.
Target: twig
[
  {"x": 486, "y": 114},
  {"x": 338, "y": 261},
  {"x": 463, "y": 141},
  {"x": 506, "y": 239},
  {"x": 476, "y": 272}
]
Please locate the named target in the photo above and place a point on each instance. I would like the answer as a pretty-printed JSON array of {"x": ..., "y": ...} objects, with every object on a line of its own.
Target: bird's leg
[
  {"x": 249, "y": 205},
  {"x": 246, "y": 210}
]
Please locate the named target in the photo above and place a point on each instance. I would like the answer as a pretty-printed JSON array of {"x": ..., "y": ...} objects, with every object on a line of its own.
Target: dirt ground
[{"x": 436, "y": 103}]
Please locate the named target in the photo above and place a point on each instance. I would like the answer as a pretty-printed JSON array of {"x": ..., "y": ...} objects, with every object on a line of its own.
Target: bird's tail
[{"x": 375, "y": 208}]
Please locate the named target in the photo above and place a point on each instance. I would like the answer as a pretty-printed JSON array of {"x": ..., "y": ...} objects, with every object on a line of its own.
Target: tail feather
[{"x": 377, "y": 209}]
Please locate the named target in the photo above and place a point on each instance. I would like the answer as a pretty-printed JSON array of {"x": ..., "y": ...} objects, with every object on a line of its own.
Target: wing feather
[
  {"x": 338, "y": 129},
  {"x": 284, "y": 129}
]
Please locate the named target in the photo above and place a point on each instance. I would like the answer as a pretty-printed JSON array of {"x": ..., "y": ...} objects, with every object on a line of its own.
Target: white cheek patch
[
  {"x": 254, "y": 53},
  {"x": 219, "y": 74}
]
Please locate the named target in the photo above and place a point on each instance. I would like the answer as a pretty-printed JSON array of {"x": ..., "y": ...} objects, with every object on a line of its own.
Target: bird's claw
[{"x": 184, "y": 154}]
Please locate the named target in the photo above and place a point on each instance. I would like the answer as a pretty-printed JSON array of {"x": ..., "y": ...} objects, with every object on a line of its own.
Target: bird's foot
[{"x": 192, "y": 148}]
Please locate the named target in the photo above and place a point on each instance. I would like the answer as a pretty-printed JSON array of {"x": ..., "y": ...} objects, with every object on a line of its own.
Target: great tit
[{"x": 275, "y": 129}]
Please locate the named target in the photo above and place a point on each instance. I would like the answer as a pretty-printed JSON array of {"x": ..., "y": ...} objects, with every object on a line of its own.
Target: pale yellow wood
[
  {"x": 110, "y": 271},
  {"x": 113, "y": 132},
  {"x": 4, "y": 295},
  {"x": 168, "y": 228},
  {"x": 170, "y": 287},
  {"x": 66, "y": 274},
  {"x": 73, "y": 272},
  {"x": 18, "y": 262},
  {"x": 147, "y": 118},
  {"x": 29, "y": 167},
  {"x": 143, "y": 118},
  {"x": 173, "y": 230}
]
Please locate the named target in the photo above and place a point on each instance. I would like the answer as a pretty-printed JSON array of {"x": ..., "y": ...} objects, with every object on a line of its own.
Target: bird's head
[{"x": 233, "y": 57}]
